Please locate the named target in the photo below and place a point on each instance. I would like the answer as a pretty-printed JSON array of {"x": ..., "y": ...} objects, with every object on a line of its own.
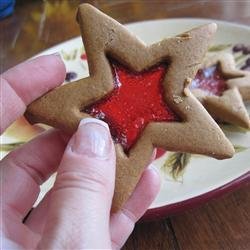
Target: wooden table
[{"x": 220, "y": 224}]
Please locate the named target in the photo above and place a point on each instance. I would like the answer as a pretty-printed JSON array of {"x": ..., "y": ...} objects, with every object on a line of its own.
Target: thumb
[{"x": 81, "y": 198}]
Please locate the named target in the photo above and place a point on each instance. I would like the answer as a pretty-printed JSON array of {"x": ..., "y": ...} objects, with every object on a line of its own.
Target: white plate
[{"x": 202, "y": 174}]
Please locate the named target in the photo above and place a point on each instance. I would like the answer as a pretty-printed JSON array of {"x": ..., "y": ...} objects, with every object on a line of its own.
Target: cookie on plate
[
  {"x": 220, "y": 87},
  {"x": 141, "y": 92}
]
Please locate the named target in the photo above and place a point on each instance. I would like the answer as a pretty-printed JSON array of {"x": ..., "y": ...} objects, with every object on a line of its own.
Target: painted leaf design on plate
[
  {"x": 239, "y": 148},
  {"x": 69, "y": 55},
  {"x": 239, "y": 58},
  {"x": 10, "y": 146},
  {"x": 234, "y": 128},
  {"x": 219, "y": 47},
  {"x": 175, "y": 164},
  {"x": 240, "y": 52}
]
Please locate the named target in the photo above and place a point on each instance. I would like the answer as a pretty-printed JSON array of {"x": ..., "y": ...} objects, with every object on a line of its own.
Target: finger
[
  {"x": 26, "y": 82},
  {"x": 26, "y": 168},
  {"x": 38, "y": 217},
  {"x": 122, "y": 223},
  {"x": 83, "y": 191}
]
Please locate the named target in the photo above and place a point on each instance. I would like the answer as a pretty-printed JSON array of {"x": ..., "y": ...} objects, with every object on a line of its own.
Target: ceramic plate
[{"x": 187, "y": 179}]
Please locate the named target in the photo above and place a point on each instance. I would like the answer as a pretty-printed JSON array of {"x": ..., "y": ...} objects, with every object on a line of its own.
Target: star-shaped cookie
[
  {"x": 110, "y": 47},
  {"x": 240, "y": 78},
  {"x": 220, "y": 86}
]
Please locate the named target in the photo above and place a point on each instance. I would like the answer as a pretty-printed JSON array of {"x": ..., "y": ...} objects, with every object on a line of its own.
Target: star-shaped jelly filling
[
  {"x": 136, "y": 100},
  {"x": 210, "y": 80}
]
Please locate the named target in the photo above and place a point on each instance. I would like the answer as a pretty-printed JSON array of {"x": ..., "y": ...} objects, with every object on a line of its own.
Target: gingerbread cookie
[
  {"x": 141, "y": 92},
  {"x": 220, "y": 87}
]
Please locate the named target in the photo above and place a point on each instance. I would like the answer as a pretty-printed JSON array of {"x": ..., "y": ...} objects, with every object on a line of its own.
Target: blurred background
[{"x": 39, "y": 24}]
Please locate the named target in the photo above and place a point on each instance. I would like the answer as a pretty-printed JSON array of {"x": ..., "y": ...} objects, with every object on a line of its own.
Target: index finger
[{"x": 26, "y": 82}]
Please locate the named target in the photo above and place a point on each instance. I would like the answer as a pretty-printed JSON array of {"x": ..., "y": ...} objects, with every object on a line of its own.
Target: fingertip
[
  {"x": 122, "y": 222},
  {"x": 55, "y": 62},
  {"x": 93, "y": 140},
  {"x": 33, "y": 78},
  {"x": 140, "y": 200},
  {"x": 92, "y": 147}
]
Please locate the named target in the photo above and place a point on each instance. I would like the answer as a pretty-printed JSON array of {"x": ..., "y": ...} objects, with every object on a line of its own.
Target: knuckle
[{"x": 84, "y": 181}]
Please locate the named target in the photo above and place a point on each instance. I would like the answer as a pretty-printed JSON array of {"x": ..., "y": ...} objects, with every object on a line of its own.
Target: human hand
[{"x": 75, "y": 214}]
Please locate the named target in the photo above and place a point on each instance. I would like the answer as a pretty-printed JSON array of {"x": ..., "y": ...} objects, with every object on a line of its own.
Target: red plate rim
[{"x": 174, "y": 208}]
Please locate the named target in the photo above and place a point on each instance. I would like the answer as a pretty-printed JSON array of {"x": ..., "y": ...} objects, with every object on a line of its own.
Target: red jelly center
[
  {"x": 136, "y": 100},
  {"x": 210, "y": 80}
]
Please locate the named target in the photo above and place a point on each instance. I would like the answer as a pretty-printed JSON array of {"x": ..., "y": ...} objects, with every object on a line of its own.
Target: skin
[{"x": 75, "y": 214}]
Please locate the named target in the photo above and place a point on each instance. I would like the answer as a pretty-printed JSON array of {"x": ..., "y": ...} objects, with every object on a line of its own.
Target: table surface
[{"x": 223, "y": 223}]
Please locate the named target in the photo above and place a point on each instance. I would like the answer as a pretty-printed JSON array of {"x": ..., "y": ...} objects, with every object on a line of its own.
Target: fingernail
[{"x": 92, "y": 139}]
